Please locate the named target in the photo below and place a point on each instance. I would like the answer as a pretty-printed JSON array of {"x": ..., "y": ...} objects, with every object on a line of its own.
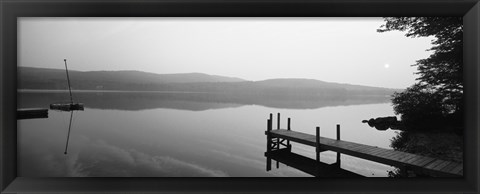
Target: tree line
[{"x": 435, "y": 102}]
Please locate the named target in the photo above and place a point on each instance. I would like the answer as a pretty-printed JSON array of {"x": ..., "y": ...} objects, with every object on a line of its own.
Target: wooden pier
[
  {"x": 32, "y": 113},
  {"x": 419, "y": 164}
]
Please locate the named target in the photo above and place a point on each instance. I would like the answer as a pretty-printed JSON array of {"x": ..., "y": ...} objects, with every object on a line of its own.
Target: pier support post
[
  {"x": 338, "y": 131},
  {"x": 269, "y": 143},
  {"x": 269, "y": 139},
  {"x": 278, "y": 127},
  {"x": 317, "y": 151},
  {"x": 289, "y": 146},
  {"x": 278, "y": 139},
  {"x": 338, "y": 139},
  {"x": 317, "y": 145},
  {"x": 288, "y": 124},
  {"x": 278, "y": 120}
]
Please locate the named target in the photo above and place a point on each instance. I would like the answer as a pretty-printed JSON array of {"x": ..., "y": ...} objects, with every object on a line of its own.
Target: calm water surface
[{"x": 181, "y": 134}]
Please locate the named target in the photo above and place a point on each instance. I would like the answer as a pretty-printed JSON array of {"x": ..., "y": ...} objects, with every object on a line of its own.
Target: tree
[
  {"x": 439, "y": 92},
  {"x": 421, "y": 108}
]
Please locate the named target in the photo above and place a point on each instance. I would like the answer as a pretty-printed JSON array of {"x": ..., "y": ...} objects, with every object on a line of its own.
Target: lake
[{"x": 168, "y": 134}]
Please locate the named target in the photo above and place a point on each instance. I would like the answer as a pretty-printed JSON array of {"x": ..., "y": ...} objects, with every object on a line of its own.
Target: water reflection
[
  {"x": 307, "y": 165},
  {"x": 68, "y": 135},
  {"x": 172, "y": 134},
  {"x": 187, "y": 101}
]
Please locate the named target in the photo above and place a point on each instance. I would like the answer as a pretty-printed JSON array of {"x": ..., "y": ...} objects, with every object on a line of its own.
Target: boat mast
[{"x": 68, "y": 79}]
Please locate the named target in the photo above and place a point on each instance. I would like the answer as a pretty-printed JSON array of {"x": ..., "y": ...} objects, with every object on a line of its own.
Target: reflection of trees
[{"x": 192, "y": 101}]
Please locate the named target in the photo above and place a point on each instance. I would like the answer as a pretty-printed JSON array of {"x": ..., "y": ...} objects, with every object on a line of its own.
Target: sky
[{"x": 342, "y": 50}]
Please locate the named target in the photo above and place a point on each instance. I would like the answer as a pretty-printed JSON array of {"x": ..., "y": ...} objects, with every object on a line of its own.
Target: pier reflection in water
[{"x": 307, "y": 165}]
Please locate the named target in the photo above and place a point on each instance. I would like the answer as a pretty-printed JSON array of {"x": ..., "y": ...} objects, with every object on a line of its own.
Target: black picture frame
[{"x": 10, "y": 10}]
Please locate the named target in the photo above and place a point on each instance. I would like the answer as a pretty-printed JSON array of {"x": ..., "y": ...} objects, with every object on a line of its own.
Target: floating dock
[
  {"x": 420, "y": 164},
  {"x": 32, "y": 113}
]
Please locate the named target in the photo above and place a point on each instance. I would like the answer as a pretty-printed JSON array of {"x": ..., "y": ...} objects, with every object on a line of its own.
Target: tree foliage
[
  {"x": 421, "y": 108},
  {"x": 440, "y": 88}
]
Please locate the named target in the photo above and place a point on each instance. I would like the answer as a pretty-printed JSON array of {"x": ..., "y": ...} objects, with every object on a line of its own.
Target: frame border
[{"x": 10, "y": 10}]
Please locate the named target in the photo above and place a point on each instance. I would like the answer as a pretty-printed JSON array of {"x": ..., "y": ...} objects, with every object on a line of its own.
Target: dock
[
  {"x": 32, "y": 113},
  {"x": 420, "y": 164}
]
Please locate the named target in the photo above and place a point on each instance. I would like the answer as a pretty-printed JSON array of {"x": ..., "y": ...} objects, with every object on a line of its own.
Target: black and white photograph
[{"x": 328, "y": 97}]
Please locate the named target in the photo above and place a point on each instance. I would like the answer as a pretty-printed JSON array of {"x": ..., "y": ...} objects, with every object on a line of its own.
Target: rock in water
[{"x": 383, "y": 123}]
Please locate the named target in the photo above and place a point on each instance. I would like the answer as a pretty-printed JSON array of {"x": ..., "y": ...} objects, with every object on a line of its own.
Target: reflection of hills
[
  {"x": 188, "y": 101},
  {"x": 122, "y": 101},
  {"x": 314, "y": 104}
]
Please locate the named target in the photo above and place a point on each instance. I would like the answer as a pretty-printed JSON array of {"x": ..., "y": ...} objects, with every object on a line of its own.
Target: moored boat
[
  {"x": 70, "y": 106},
  {"x": 66, "y": 106}
]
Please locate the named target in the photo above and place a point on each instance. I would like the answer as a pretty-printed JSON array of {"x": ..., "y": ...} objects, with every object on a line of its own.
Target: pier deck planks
[{"x": 427, "y": 165}]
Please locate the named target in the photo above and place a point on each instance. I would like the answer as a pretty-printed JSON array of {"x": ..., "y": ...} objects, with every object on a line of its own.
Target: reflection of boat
[
  {"x": 68, "y": 135},
  {"x": 67, "y": 106}
]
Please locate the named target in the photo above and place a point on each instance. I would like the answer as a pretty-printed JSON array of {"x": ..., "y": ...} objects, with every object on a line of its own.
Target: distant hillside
[
  {"x": 312, "y": 83},
  {"x": 282, "y": 89},
  {"x": 120, "y": 76},
  {"x": 144, "y": 77}
]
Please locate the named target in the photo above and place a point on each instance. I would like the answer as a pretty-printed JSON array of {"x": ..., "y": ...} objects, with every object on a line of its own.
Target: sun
[{"x": 386, "y": 66}]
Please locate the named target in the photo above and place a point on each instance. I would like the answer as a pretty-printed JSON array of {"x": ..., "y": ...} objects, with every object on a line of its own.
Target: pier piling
[
  {"x": 278, "y": 120},
  {"x": 289, "y": 146},
  {"x": 338, "y": 131},
  {"x": 269, "y": 142},
  {"x": 317, "y": 145},
  {"x": 338, "y": 139}
]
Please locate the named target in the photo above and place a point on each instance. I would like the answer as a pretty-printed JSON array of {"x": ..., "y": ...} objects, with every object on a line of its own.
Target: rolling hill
[{"x": 55, "y": 79}]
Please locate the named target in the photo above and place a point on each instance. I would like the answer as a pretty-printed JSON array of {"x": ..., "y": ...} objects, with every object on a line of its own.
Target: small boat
[
  {"x": 66, "y": 106},
  {"x": 70, "y": 106}
]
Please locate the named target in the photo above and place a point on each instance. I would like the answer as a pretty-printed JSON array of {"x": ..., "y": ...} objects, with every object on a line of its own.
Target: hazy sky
[{"x": 344, "y": 50}]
